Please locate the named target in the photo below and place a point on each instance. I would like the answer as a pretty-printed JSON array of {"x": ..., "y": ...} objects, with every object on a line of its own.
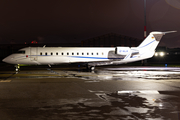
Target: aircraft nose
[{"x": 4, "y": 60}]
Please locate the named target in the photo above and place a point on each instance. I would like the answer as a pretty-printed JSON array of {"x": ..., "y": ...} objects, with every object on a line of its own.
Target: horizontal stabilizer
[{"x": 169, "y": 32}]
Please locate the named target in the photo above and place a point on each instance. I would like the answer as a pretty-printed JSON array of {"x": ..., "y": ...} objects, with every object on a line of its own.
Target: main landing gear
[{"x": 90, "y": 68}]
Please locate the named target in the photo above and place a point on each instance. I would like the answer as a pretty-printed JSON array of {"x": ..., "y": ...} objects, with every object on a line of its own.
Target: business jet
[{"x": 90, "y": 56}]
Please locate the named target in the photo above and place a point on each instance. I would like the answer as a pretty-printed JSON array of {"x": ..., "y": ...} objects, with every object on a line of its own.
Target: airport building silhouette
[{"x": 111, "y": 40}]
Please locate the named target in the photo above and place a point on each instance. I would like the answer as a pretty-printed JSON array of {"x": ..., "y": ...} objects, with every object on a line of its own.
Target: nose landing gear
[{"x": 17, "y": 68}]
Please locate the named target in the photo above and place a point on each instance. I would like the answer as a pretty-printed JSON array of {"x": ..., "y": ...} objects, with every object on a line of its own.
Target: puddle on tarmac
[
  {"x": 109, "y": 105},
  {"x": 143, "y": 104}
]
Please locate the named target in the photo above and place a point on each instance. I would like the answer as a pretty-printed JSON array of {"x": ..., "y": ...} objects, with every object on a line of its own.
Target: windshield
[{"x": 21, "y": 51}]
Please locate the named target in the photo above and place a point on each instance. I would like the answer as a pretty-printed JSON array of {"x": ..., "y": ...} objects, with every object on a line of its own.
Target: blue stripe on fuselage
[
  {"x": 148, "y": 44},
  {"x": 93, "y": 57}
]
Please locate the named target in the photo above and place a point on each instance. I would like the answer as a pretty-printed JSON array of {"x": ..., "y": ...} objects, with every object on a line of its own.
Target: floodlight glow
[
  {"x": 156, "y": 54},
  {"x": 161, "y": 54}
]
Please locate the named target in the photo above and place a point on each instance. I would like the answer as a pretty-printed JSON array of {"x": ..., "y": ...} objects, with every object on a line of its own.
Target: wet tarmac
[{"x": 108, "y": 93}]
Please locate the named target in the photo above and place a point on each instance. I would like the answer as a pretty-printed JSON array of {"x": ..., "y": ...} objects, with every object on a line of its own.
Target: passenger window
[
  {"x": 92, "y": 53},
  {"x": 46, "y": 53},
  {"x": 67, "y": 53},
  {"x": 87, "y": 53},
  {"x": 51, "y": 53},
  {"x": 102, "y": 53},
  {"x": 40, "y": 53},
  {"x": 97, "y": 53},
  {"x": 82, "y": 53},
  {"x": 57, "y": 53},
  {"x": 62, "y": 53},
  {"x": 77, "y": 53},
  {"x": 72, "y": 53}
]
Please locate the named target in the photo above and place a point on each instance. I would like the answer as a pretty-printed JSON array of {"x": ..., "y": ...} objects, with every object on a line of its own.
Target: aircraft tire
[{"x": 92, "y": 68}]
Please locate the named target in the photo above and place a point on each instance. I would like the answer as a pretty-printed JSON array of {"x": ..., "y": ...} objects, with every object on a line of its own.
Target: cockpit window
[{"x": 21, "y": 51}]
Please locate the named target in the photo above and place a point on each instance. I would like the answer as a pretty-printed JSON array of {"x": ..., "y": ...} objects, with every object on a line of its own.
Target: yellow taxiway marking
[{"x": 5, "y": 80}]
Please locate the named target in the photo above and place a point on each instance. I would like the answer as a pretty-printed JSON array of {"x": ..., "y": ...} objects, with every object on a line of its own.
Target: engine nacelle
[{"x": 122, "y": 50}]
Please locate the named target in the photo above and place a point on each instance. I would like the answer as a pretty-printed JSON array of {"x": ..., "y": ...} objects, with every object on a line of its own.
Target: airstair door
[{"x": 33, "y": 53}]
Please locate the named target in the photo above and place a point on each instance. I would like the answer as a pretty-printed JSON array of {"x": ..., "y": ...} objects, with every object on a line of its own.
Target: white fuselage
[
  {"x": 94, "y": 56},
  {"x": 60, "y": 55}
]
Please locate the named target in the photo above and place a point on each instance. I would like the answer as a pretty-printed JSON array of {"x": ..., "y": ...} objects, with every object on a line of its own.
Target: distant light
[
  {"x": 161, "y": 54},
  {"x": 34, "y": 42},
  {"x": 156, "y": 54}
]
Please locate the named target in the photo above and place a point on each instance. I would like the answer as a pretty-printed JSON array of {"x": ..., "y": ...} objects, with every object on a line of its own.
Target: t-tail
[
  {"x": 147, "y": 47},
  {"x": 144, "y": 51}
]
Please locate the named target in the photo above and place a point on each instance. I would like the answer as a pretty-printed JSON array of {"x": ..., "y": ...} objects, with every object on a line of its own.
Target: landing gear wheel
[{"x": 92, "y": 68}]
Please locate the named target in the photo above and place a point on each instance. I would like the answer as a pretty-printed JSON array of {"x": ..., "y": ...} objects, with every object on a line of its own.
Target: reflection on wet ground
[
  {"x": 129, "y": 106},
  {"x": 142, "y": 105},
  {"x": 126, "y": 73},
  {"x": 106, "y": 93}
]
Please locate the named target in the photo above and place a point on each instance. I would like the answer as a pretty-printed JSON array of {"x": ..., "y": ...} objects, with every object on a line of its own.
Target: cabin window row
[{"x": 71, "y": 53}]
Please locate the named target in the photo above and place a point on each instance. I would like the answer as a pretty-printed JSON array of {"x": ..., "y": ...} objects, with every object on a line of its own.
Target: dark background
[{"x": 69, "y": 21}]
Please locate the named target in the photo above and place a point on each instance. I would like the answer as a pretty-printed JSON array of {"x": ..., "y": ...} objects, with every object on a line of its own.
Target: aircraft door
[{"x": 33, "y": 53}]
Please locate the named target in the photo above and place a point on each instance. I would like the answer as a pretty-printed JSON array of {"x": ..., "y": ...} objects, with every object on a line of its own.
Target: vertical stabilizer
[
  {"x": 152, "y": 40},
  {"x": 150, "y": 43}
]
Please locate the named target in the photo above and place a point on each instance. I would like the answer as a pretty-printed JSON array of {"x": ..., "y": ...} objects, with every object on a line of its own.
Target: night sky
[{"x": 57, "y": 21}]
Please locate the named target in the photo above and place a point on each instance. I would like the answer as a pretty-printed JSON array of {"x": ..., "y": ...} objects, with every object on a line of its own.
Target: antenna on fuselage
[{"x": 44, "y": 46}]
